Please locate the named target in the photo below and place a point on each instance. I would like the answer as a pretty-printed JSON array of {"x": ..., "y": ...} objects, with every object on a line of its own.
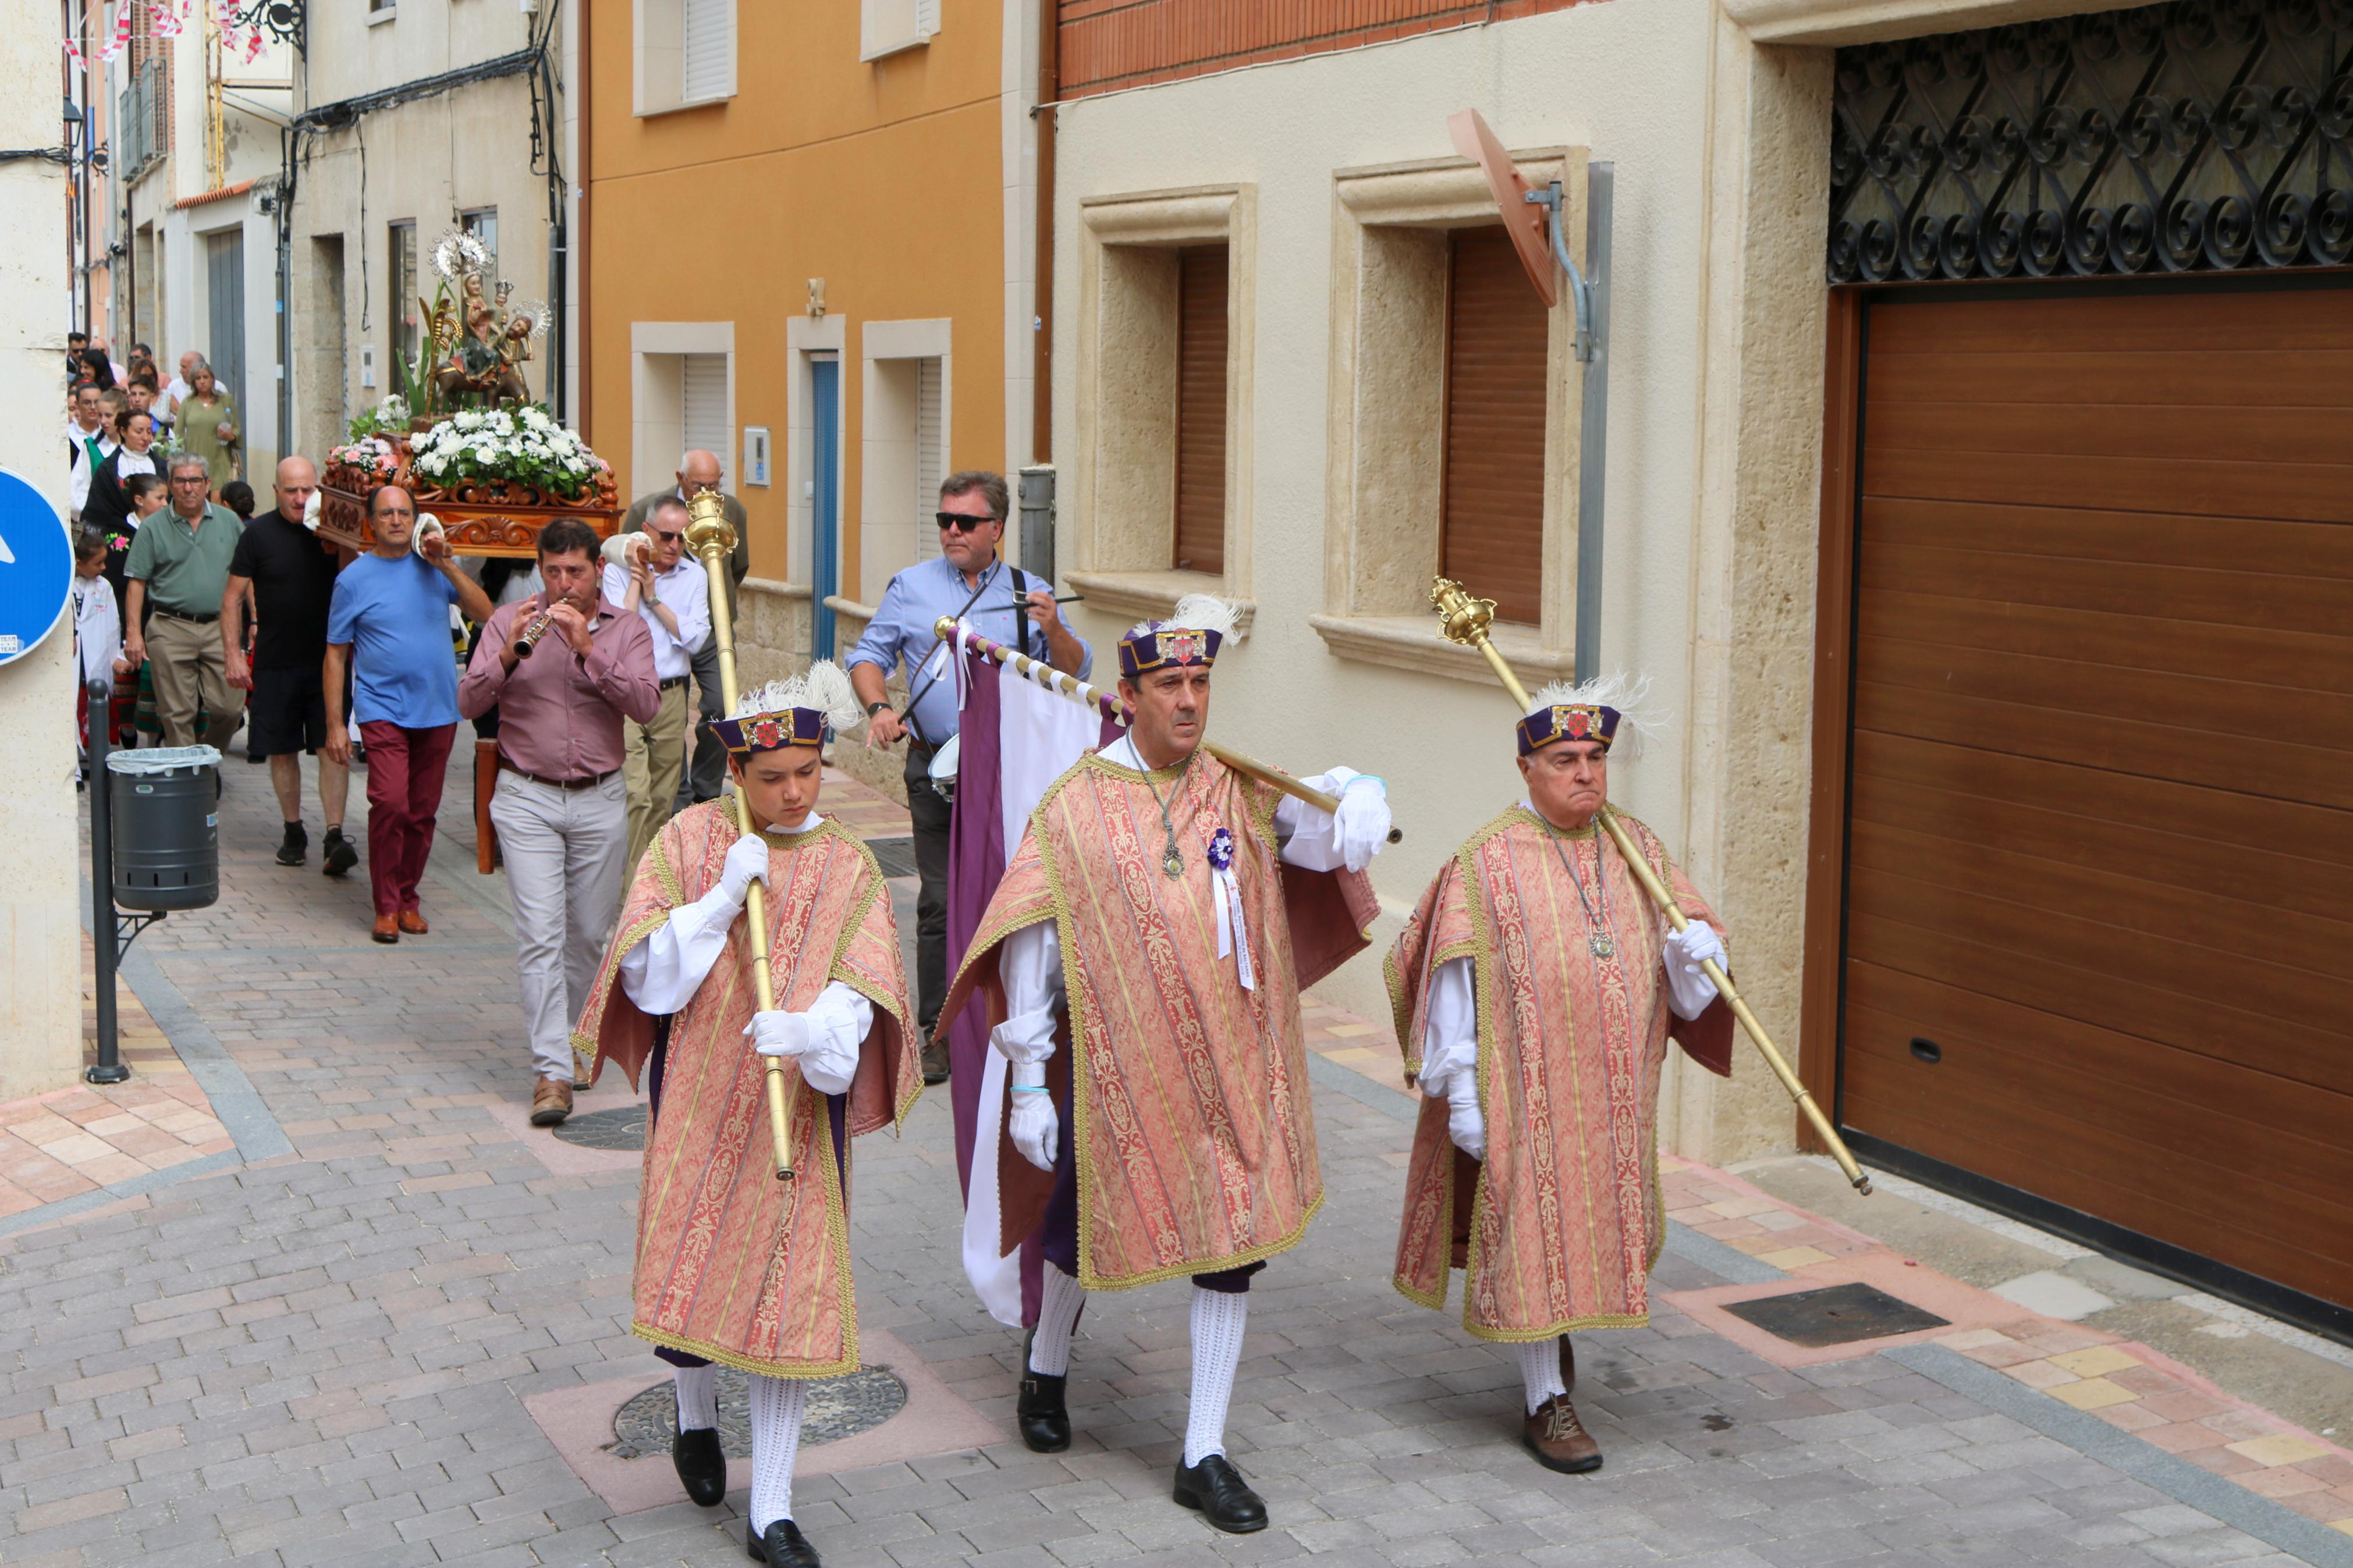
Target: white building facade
[
  {"x": 195, "y": 153},
  {"x": 414, "y": 118}
]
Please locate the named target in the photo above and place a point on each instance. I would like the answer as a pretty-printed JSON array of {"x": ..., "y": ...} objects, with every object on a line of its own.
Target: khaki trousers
[
  {"x": 188, "y": 662},
  {"x": 653, "y": 755},
  {"x": 565, "y": 880}
]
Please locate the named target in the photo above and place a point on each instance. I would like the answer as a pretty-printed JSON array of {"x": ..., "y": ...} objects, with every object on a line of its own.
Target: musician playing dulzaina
[
  {"x": 735, "y": 1267},
  {"x": 1141, "y": 961},
  {"x": 1535, "y": 989}
]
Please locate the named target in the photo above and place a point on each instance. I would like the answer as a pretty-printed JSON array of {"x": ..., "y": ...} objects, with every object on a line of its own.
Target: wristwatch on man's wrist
[{"x": 874, "y": 708}]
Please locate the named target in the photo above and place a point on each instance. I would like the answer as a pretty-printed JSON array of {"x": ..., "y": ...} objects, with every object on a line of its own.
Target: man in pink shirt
[{"x": 561, "y": 808}]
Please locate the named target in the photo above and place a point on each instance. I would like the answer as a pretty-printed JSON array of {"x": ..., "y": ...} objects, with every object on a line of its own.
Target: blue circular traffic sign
[{"x": 36, "y": 567}]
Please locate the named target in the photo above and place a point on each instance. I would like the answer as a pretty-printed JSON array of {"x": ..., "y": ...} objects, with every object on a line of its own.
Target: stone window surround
[
  {"x": 886, "y": 447},
  {"x": 1123, "y": 478},
  {"x": 655, "y": 437},
  {"x": 1384, "y": 456}
]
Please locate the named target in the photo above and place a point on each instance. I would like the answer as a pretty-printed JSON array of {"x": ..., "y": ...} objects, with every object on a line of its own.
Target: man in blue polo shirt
[
  {"x": 967, "y": 579},
  {"x": 393, "y": 605}
]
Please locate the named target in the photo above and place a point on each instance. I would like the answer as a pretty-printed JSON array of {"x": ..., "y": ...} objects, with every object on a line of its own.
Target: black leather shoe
[
  {"x": 782, "y": 1545},
  {"x": 1040, "y": 1412},
  {"x": 702, "y": 1468},
  {"x": 1219, "y": 1491},
  {"x": 295, "y": 847}
]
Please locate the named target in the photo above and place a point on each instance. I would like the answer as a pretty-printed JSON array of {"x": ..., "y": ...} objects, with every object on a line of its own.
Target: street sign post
[{"x": 36, "y": 567}]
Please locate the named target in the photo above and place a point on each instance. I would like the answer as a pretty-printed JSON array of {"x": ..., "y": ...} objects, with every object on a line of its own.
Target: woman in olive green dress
[{"x": 209, "y": 426}]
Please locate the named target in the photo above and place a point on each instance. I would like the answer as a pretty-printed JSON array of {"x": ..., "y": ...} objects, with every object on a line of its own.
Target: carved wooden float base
[{"x": 473, "y": 528}]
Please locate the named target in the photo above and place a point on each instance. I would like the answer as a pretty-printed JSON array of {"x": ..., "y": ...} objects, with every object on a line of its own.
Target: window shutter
[
  {"x": 927, "y": 18},
  {"x": 1491, "y": 532},
  {"x": 704, "y": 414},
  {"x": 1200, "y": 533},
  {"x": 930, "y": 448},
  {"x": 709, "y": 68}
]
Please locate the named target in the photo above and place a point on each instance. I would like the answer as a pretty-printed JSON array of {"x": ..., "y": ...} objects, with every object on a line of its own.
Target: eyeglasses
[
  {"x": 672, "y": 534},
  {"x": 961, "y": 523}
]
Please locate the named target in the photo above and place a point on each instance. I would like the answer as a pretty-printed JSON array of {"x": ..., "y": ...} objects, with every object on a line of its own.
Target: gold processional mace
[
  {"x": 711, "y": 536},
  {"x": 1465, "y": 620}
]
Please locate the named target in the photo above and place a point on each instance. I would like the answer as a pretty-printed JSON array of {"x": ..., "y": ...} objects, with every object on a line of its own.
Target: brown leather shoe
[
  {"x": 1559, "y": 1440},
  {"x": 551, "y": 1102},
  {"x": 412, "y": 922},
  {"x": 387, "y": 928}
]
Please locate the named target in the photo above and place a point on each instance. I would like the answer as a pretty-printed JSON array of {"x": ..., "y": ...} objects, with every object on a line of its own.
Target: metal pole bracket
[{"x": 1581, "y": 291}]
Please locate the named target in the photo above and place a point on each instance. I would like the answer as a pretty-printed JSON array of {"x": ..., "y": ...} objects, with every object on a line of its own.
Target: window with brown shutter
[
  {"x": 1200, "y": 542},
  {"x": 1492, "y": 500}
]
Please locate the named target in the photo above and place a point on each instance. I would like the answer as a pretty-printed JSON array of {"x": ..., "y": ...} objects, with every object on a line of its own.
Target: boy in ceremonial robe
[
  {"x": 1141, "y": 961},
  {"x": 733, "y": 1265},
  {"x": 1535, "y": 988}
]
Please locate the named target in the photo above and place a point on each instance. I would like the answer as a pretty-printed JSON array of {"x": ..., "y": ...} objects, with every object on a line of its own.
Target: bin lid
[{"x": 162, "y": 759}]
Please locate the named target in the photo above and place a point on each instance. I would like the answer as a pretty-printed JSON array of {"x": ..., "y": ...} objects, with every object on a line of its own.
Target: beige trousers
[
  {"x": 653, "y": 754},
  {"x": 188, "y": 662}
]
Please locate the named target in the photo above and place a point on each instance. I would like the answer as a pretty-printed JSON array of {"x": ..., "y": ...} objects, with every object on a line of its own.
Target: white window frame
[
  {"x": 657, "y": 393},
  {"x": 886, "y": 449},
  {"x": 889, "y": 26},
  {"x": 658, "y": 57}
]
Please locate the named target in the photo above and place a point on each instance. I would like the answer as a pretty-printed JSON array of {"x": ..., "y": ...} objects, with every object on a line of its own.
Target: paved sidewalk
[{"x": 335, "y": 1354}]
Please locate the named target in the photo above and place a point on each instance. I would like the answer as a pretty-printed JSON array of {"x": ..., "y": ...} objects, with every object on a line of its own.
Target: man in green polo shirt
[{"x": 179, "y": 569}]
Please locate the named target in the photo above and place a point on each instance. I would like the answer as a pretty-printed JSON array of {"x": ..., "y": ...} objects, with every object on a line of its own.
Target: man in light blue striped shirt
[{"x": 1000, "y": 603}]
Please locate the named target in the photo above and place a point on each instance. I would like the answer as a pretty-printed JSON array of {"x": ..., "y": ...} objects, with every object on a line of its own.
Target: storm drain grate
[
  {"x": 896, "y": 855},
  {"x": 623, "y": 1129},
  {"x": 1837, "y": 1315},
  {"x": 835, "y": 1408}
]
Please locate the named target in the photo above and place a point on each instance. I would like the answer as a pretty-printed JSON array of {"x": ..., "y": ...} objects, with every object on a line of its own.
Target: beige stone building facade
[{"x": 1334, "y": 184}]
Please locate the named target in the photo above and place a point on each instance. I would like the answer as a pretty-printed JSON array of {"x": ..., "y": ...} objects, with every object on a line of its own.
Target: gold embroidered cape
[
  {"x": 1195, "y": 1131},
  {"x": 732, "y": 1264},
  {"x": 1559, "y": 1228}
]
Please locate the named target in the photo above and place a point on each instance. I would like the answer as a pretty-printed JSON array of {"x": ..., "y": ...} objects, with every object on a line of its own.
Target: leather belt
[
  {"x": 591, "y": 782},
  {"x": 193, "y": 620},
  {"x": 676, "y": 681}
]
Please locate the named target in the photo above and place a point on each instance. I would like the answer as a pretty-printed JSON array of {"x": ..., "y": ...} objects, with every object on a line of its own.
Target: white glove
[
  {"x": 747, "y": 857},
  {"x": 1464, "y": 1125},
  {"x": 1689, "y": 990},
  {"x": 1363, "y": 820},
  {"x": 1036, "y": 1129},
  {"x": 826, "y": 1065}
]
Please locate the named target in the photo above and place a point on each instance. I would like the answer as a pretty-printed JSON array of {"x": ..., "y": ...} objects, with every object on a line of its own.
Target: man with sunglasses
[
  {"x": 666, "y": 587},
  {"x": 966, "y": 580}
]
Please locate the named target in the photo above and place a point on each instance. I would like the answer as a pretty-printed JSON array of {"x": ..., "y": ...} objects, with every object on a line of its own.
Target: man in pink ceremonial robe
[
  {"x": 1141, "y": 961},
  {"x": 733, "y": 1265},
  {"x": 1535, "y": 989}
]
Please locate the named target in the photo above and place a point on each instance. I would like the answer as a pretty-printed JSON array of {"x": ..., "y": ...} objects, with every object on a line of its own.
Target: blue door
[{"x": 825, "y": 499}]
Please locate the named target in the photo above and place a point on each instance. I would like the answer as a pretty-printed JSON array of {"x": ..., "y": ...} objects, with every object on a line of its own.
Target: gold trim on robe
[
  {"x": 732, "y": 1264},
  {"x": 1193, "y": 1124},
  {"x": 1565, "y": 1222}
]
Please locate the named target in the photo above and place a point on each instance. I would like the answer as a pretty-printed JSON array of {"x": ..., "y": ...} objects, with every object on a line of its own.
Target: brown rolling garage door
[{"x": 2101, "y": 805}]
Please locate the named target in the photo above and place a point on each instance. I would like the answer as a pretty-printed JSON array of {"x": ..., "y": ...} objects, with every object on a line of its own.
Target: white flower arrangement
[{"x": 524, "y": 446}]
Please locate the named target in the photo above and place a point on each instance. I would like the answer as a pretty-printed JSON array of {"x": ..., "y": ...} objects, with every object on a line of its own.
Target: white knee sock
[
  {"x": 698, "y": 1397},
  {"x": 776, "y": 1438},
  {"x": 1058, "y": 1314},
  {"x": 1540, "y": 1372},
  {"x": 1218, "y": 1322}
]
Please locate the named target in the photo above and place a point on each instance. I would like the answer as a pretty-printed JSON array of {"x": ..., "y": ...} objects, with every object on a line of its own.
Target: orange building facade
[{"x": 809, "y": 242}]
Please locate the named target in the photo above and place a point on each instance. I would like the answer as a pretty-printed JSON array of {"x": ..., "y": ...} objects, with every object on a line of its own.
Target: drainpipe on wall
[
  {"x": 584, "y": 77},
  {"x": 1041, "y": 416}
]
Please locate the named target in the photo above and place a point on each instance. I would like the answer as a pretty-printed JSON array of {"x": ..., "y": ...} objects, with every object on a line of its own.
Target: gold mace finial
[
  {"x": 709, "y": 534},
  {"x": 1465, "y": 620}
]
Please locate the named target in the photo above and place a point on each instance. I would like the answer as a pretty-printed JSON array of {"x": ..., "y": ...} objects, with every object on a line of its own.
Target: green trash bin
[{"x": 165, "y": 805}]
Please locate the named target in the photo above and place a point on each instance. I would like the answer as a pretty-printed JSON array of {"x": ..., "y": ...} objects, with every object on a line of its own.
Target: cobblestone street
[{"x": 383, "y": 1329}]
